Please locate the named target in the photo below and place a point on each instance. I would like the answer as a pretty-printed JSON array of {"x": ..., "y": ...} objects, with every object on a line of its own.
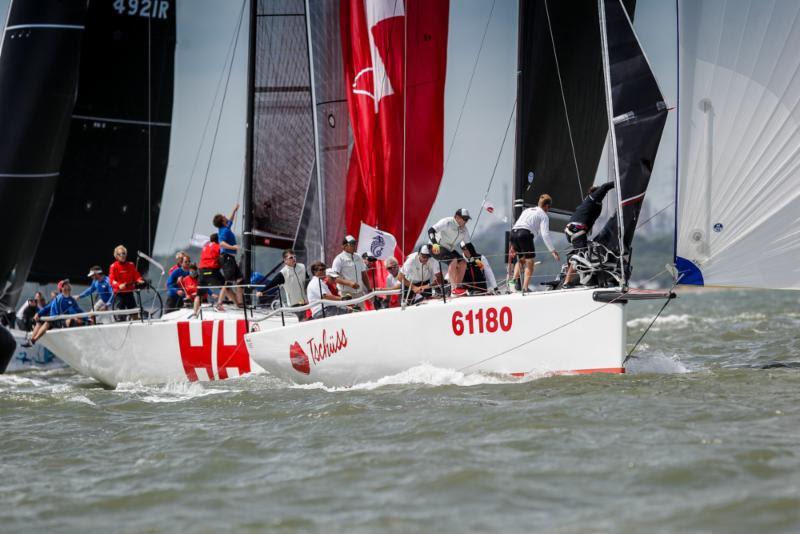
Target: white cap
[
  {"x": 425, "y": 250},
  {"x": 330, "y": 272},
  {"x": 463, "y": 213},
  {"x": 349, "y": 239}
]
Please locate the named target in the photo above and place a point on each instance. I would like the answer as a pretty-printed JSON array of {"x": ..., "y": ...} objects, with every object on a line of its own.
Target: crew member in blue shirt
[
  {"x": 63, "y": 304},
  {"x": 228, "y": 249},
  {"x": 175, "y": 292},
  {"x": 101, "y": 285}
]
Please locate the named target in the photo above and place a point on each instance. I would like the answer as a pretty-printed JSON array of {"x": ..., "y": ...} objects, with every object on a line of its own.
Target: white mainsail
[{"x": 738, "y": 198}]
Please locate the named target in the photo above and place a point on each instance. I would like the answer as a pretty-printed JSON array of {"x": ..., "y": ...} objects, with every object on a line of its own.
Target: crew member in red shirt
[
  {"x": 124, "y": 278},
  {"x": 194, "y": 294},
  {"x": 210, "y": 274}
]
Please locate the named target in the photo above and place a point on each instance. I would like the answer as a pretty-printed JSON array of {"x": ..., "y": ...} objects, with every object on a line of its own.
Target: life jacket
[{"x": 209, "y": 256}]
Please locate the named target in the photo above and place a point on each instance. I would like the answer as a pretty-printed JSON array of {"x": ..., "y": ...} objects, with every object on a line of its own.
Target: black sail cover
[
  {"x": 113, "y": 171},
  {"x": 639, "y": 115},
  {"x": 561, "y": 107},
  {"x": 38, "y": 78},
  {"x": 283, "y": 136}
]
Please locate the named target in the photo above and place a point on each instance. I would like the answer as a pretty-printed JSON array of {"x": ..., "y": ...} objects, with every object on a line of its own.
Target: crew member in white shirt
[
  {"x": 352, "y": 278},
  {"x": 418, "y": 275},
  {"x": 532, "y": 222},
  {"x": 317, "y": 292},
  {"x": 445, "y": 236},
  {"x": 293, "y": 279},
  {"x": 392, "y": 282}
]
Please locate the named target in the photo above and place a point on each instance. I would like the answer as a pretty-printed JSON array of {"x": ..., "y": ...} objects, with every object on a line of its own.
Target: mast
[
  {"x": 612, "y": 136},
  {"x": 315, "y": 120},
  {"x": 518, "y": 160},
  {"x": 247, "y": 215}
]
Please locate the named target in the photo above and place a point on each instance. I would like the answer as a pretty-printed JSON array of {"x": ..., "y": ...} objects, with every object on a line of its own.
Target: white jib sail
[{"x": 739, "y": 143}]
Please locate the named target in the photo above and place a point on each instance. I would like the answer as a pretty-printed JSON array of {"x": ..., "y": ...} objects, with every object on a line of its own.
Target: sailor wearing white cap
[
  {"x": 445, "y": 236},
  {"x": 350, "y": 269},
  {"x": 418, "y": 274}
]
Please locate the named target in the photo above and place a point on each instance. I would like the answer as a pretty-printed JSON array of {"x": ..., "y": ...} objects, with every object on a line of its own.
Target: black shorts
[
  {"x": 447, "y": 255},
  {"x": 522, "y": 241},
  {"x": 174, "y": 302},
  {"x": 210, "y": 277},
  {"x": 230, "y": 269},
  {"x": 125, "y": 301}
]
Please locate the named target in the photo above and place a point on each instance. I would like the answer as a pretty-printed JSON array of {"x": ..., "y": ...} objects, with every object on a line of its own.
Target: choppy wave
[
  {"x": 655, "y": 363},
  {"x": 427, "y": 375},
  {"x": 170, "y": 392},
  {"x": 679, "y": 320}
]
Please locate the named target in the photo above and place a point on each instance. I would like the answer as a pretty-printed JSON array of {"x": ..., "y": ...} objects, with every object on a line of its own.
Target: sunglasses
[{"x": 291, "y": 258}]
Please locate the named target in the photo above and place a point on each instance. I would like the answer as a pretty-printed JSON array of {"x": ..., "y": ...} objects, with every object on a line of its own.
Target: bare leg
[
  {"x": 570, "y": 274},
  {"x": 528, "y": 273},
  {"x": 240, "y": 296},
  {"x": 461, "y": 269},
  {"x": 516, "y": 270},
  {"x": 196, "y": 305},
  {"x": 39, "y": 331},
  {"x": 452, "y": 274}
]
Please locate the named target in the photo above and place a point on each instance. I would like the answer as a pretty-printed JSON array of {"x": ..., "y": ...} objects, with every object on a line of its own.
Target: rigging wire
[
  {"x": 205, "y": 131},
  {"x": 469, "y": 87},
  {"x": 219, "y": 115},
  {"x": 668, "y": 299},
  {"x": 149, "y": 135},
  {"x": 563, "y": 99},
  {"x": 496, "y": 163}
]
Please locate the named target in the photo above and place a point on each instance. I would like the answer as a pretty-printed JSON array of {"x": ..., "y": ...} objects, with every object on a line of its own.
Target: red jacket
[
  {"x": 209, "y": 256},
  {"x": 123, "y": 273},
  {"x": 189, "y": 285}
]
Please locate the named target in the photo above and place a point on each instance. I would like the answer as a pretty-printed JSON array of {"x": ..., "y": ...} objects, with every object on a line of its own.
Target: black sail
[
  {"x": 639, "y": 114},
  {"x": 283, "y": 135},
  {"x": 113, "y": 171},
  {"x": 561, "y": 107},
  {"x": 38, "y": 78}
]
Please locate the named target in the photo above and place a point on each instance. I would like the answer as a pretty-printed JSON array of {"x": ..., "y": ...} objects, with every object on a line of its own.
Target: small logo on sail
[
  {"x": 377, "y": 245},
  {"x": 299, "y": 359},
  {"x": 718, "y": 227}
]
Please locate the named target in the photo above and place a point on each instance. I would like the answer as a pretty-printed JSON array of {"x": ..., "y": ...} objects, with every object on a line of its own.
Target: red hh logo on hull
[
  {"x": 198, "y": 351},
  {"x": 320, "y": 350}
]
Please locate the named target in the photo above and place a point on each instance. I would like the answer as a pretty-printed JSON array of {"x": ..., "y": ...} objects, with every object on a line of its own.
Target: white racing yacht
[
  {"x": 577, "y": 330},
  {"x": 175, "y": 348}
]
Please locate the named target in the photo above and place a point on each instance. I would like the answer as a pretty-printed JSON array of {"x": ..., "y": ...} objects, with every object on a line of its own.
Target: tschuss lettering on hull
[
  {"x": 213, "y": 350},
  {"x": 327, "y": 346}
]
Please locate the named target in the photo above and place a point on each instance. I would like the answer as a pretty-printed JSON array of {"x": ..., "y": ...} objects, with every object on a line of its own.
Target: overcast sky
[{"x": 207, "y": 30}]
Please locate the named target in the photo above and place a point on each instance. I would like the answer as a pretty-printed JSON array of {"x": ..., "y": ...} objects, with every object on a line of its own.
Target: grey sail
[
  {"x": 638, "y": 113},
  {"x": 39, "y": 59},
  {"x": 332, "y": 131},
  {"x": 283, "y": 132}
]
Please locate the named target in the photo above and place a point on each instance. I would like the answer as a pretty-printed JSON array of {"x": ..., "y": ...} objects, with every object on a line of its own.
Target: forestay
[{"x": 738, "y": 194}]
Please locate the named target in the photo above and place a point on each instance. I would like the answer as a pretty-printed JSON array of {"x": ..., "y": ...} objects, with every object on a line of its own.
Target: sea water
[{"x": 701, "y": 434}]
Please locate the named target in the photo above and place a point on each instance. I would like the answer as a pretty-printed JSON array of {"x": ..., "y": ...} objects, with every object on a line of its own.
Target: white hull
[
  {"x": 175, "y": 350},
  {"x": 35, "y": 357},
  {"x": 549, "y": 332}
]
